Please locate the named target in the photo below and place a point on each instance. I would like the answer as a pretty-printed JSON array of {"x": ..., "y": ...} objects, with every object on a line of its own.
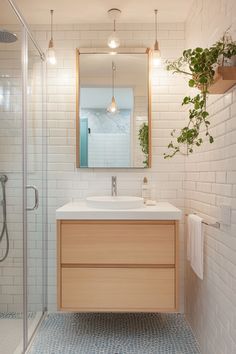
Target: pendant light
[
  {"x": 51, "y": 55},
  {"x": 112, "y": 108},
  {"x": 113, "y": 40},
  {"x": 156, "y": 55}
]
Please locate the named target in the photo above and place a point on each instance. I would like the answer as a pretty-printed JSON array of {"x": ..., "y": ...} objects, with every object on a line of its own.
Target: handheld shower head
[{"x": 3, "y": 178}]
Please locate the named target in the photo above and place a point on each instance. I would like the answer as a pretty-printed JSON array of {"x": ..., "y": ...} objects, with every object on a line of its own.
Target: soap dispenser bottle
[{"x": 145, "y": 190}]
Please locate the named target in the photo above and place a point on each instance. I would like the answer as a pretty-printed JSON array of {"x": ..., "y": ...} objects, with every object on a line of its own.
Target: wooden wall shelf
[{"x": 224, "y": 80}]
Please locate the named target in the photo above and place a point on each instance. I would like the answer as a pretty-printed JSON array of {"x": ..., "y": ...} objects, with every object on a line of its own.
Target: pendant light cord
[
  {"x": 51, "y": 24},
  {"x": 114, "y": 27},
  {"x": 156, "y": 23},
  {"x": 113, "y": 77}
]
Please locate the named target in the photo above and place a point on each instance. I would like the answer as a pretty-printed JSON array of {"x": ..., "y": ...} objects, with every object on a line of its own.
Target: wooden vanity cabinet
[{"x": 118, "y": 266}]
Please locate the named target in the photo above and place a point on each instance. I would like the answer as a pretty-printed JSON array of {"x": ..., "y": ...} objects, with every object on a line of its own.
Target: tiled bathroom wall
[
  {"x": 209, "y": 183},
  {"x": 11, "y": 165},
  {"x": 67, "y": 182}
]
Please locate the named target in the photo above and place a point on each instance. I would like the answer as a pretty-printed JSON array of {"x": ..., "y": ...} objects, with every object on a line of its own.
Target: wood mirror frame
[{"x": 91, "y": 51}]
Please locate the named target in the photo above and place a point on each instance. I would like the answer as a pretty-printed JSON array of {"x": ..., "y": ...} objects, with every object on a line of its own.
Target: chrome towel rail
[{"x": 216, "y": 224}]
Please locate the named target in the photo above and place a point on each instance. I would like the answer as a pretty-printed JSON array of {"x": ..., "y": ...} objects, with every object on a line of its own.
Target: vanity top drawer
[{"x": 114, "y": 242}]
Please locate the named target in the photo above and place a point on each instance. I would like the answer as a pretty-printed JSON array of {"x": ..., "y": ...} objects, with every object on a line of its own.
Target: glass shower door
[
  {"x": 36, "y": 187},
  {"x": 22, "y": 183}
]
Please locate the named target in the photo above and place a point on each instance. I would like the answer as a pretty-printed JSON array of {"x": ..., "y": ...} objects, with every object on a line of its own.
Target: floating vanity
[{"x": 117, "y": 260}]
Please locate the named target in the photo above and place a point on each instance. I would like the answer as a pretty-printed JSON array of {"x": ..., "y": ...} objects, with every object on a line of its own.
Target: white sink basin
[{"x": 119, "y": 202}]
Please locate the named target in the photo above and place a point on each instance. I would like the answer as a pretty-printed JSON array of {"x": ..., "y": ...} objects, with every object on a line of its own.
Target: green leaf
[
  {"x": 186, "y": 100},
  {"x": 205, "y": 114},
  {"x": 203, "y": 80},
  {"x": 191, "y": 83}
]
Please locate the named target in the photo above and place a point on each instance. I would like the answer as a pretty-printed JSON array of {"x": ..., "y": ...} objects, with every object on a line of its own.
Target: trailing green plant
[
  {"x": 200, "y": 65},
  {"x": 143, "y": 138}
]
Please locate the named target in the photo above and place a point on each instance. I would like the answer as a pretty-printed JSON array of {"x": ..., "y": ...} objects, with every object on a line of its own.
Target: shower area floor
[
  {"x": 8, "y": 341},
  {"x": 11, "y": 330},
  {"x": 107, "y": 333}
]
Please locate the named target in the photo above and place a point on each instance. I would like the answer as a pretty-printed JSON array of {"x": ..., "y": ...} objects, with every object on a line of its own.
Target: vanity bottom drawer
[{"x": 118, "y": 289}]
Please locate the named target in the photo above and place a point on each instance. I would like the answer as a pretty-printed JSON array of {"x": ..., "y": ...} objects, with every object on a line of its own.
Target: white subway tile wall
[
  {"x": 64, "y": 180},
  {"x": 109, "y": 150},
  {"x": 210, "y": 182},
  {"x": 11, "y": 287}
]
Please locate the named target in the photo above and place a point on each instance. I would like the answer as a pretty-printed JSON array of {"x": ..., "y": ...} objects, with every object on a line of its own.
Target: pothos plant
[
  {"x": 200, "y": 65},
  {"x": 143, "y": 138}
]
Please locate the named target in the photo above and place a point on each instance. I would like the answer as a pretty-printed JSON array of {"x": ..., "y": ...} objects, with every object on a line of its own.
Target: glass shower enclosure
[{"x": 23, "y": 217}]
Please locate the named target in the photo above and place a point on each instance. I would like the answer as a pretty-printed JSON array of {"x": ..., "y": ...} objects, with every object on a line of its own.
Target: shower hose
[{"x": 3, "y": 180}]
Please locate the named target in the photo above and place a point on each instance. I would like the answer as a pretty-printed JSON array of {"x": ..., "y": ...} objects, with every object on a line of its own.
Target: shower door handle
[{"x": 36, "y": 197}]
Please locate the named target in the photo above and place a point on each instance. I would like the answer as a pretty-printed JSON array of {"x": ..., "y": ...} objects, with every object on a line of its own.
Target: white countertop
[{"x": 80, "y": 211}]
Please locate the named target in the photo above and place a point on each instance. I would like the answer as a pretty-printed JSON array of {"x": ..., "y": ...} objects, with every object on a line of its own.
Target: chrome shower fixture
[
  {"x": 3, "y": 178},
  {"x": 7, "y": 37},
  {"x": 4, "y": 231}
]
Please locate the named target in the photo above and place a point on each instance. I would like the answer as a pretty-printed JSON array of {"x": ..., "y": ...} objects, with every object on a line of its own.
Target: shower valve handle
[{"x": 36, "y": 197}]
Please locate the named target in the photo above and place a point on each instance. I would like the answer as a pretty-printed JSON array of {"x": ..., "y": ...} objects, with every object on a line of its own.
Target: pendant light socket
[
  {"x": 156, "y": 46},
  {"x": 51, "y": 44}
]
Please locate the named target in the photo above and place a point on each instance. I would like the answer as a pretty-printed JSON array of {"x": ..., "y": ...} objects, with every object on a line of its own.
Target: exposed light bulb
[
  {"x": 156, "y": 57},
  {"x": 51, "y": 56},
  {"x": 113, "y": 41},
  {"x": 113, "y": 106}
]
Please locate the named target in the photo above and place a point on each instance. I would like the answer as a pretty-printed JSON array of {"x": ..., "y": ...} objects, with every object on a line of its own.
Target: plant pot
[{"x": 225, "y": 79}]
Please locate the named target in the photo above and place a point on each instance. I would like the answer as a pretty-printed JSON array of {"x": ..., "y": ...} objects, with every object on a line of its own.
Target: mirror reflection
[{"x": 113, "y": 116}]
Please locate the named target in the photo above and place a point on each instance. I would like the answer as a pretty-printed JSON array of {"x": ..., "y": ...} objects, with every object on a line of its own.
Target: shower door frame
[{"x": 26, "y": 36}]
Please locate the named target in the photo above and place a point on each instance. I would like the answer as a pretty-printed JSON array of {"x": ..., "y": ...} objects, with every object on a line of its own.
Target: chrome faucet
[{"x": 113, "y": 186}]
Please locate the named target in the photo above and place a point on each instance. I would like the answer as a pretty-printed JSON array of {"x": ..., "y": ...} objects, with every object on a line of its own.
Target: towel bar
[{"x": 216, "y": 224}]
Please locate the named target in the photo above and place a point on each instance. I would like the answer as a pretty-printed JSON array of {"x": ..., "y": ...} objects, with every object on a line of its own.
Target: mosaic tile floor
[
  {"x": 97, "y": 333},
  {"x": 15, "y": 315}
]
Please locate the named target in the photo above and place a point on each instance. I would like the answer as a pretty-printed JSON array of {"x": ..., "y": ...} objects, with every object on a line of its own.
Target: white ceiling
[{"x": 95, "y": 11}]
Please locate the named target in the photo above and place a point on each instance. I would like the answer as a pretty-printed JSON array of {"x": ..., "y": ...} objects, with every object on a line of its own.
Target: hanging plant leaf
[{"x": 191, "y": 83}]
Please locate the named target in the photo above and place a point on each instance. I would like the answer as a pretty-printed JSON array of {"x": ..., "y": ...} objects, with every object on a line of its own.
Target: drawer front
[
  {"x": 117, "y": 289},
  {"x": 117, "y": 243}
]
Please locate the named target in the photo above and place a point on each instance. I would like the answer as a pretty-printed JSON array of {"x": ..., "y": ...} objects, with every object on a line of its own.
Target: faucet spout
[{"x": 113, "y": 186}]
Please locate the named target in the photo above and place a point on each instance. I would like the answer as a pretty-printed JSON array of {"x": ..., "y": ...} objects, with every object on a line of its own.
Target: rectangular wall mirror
[{"x": 113, "y": 109}]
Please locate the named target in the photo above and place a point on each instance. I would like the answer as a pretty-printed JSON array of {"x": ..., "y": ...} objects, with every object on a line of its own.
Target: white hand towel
[{"x": 195, "y": 242}]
